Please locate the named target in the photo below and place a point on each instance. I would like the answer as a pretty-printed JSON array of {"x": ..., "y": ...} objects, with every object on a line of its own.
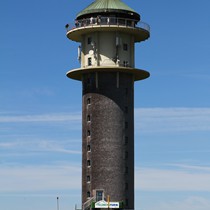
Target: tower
[{"x": 107, "y": 31}]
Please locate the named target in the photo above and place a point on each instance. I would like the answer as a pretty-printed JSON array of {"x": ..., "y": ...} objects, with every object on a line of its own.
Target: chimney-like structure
[{"x": 107, "y": 31}]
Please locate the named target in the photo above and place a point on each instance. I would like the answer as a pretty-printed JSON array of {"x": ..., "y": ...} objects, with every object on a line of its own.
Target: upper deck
[{"x": 140, "y": 30}]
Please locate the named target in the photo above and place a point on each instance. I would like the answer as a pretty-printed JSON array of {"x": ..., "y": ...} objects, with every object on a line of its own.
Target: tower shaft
[{"x": 108, "y": 140}]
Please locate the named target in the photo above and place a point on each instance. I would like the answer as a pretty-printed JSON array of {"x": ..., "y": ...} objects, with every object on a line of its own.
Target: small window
[
  {"x": 89, "y": 61},
  {"x": 126, "y": 91},
  {"x": 88, "y": 178},
  {"x": 88, "y": 148},
  {"x": 126, "y": 155},
  {"x": 125, "y": 47},
  {"x": 88, "y": 80},
  {"x": 88, "y": 194},
  {"x": 88, "y": 118},
  {"x": 126, "y": 186},
  {"x": 126, "y": 140},
  {"x": 88, "y": 101},
  {"x": 99, "y": 195},
  {"x": 125, "y": 63},
  {"x": 126, "y": 124},
  {"x": 126, "y": 170},
  {"x": 89, "y": 40},
  {"x": 126, "y": 109},
  {"x": 126, "y": 202},
  {"x": 88, "y": 163},
  {"x": 88, "y": 132}
]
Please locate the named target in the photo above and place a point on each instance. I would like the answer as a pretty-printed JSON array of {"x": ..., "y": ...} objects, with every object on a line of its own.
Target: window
[
  {"x": 125, "y": 63},
  {"x": 126, "y": 155},
  {"x": 88, "y": 133},
  {"x": 126, "y": 140},
  {"x": 126, "y": 109},
  {"x": 126, "y": 91},
  {"x": 126, "y": 186},
  {"x": 89, "y": 61},
  {"x": 89, "y": 40},
  {"x": 88, "y": 101},
  {"x": 88, "y": 80},
  {"x": 88, "y": 194},
  {"x": 126, "y": 170},
  {"x": 88, "y": 163},
  {"x": 125, "y": 47},
  {"x": 99, "y": 195},
  {"x": 126, "y": 124},
  {"x": 88, "y": 118},
  {"x": 88, "y": 148},
  {"x": 88, "y": 178},
  {"x": 126, "y": 202}
]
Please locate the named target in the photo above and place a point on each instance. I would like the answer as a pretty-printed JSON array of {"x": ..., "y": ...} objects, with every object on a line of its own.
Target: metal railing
[
  {"x": 88, "y": 203},
  {"x": 108, "y": 21}
]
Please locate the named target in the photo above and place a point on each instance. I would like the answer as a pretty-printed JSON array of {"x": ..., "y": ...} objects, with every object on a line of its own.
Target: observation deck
[{"x": 140, "y": 30}]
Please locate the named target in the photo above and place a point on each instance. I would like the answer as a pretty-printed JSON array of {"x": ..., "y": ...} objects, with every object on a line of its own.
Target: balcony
[{"x": 140, "y": 30}]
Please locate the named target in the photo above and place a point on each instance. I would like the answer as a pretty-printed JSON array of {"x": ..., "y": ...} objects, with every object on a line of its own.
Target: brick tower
[{"x": 107, "y": 31}]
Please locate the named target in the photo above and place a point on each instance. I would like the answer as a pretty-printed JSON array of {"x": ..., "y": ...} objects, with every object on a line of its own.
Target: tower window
[
  {"x": 126, "y": 91},
  {"x": 126, "y": 155},
  {"x": 126, "y": 170},
  {"x": 88, "y": 101},
  {"x": 126, "y": 124},
  {"x": 88, "y": 132},
  {"x": 126, "y": 186},
  {"x": 125, "y": 47},
  {"x": 88, "y": 148},
  {"x": 88, "y": 178},
  {"x": 88, "y": 163},
  {"x": 125, "y": 63},
  {"x": 89, "y": 61},
  {"x": 99, "y": 195},
  {"x": 88, "y": 118},
  {"x": 88, "y": 194},
  {"x": 89, "y": 40},
  {"x": 126, "y": 109},
  {"x": 126, "y": 140},
  {"x": 126, "y": 202},
  {"x": 88, "y": 80}
]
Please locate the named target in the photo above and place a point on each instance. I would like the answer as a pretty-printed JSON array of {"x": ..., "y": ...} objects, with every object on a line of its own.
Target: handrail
[
  {"x": 88, "y": 203},
  {"x": 102, "y": 21}
]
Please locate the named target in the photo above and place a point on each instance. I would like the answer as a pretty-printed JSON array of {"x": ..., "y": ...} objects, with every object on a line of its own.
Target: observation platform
[
  {"x": 138, "y": 74},
  {"x": 140, "y": 30}
]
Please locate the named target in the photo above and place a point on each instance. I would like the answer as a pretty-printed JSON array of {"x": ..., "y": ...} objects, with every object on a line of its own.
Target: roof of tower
[{"x": 107, "y": 6}]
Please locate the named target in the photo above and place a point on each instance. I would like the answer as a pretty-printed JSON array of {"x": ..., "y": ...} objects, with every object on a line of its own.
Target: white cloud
[
  {"x": 17, "y": 179},
  {"x": 54, "y": 117},
  {"x": 190, "y": 203},
  {"x": 184, "y": 178},
  {"x": 39, "y": 145},
  {"x": 172, "y": 119}
]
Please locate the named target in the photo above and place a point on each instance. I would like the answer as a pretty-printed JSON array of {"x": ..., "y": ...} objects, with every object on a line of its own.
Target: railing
[
  {"x": 88, "y": 203},
  {"x": 107, "y": 21}
]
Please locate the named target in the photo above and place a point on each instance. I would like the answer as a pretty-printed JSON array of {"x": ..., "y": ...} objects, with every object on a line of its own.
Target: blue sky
[{"x": 40, "y": 108}]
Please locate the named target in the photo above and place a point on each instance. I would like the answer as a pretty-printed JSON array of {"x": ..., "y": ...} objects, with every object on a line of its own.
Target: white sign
[{"x": 103, "y": 204}]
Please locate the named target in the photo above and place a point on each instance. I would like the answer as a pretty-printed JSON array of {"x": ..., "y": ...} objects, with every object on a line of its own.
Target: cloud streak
[
  {"x": 180, "y": 178},
  {"x": 189, "y": 203},
  {"x": 19, "y": 179},
  {"x": 54, "y": 117},
  {"x": 172, "y": 119}
]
